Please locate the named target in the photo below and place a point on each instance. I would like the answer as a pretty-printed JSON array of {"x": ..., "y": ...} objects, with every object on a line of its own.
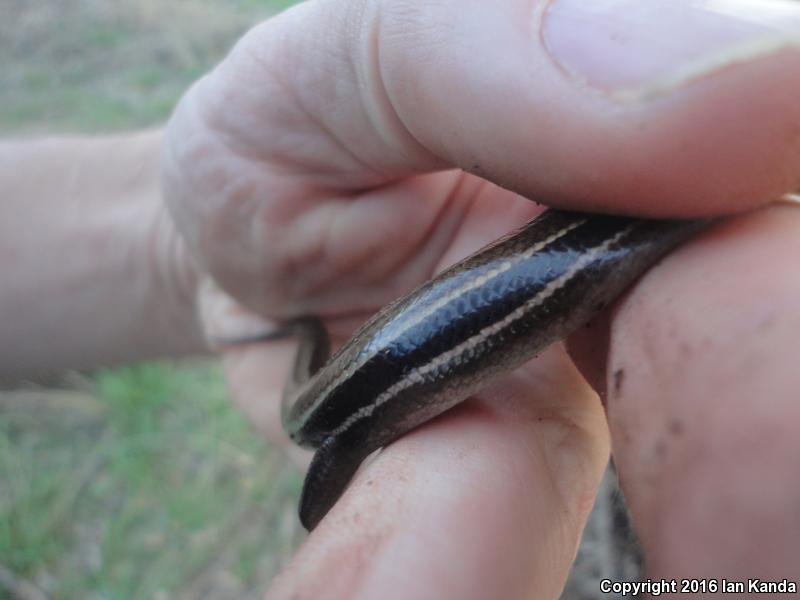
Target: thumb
[
  {"x": 658, "y": 107},
  {"x": 655, "y": 107}
]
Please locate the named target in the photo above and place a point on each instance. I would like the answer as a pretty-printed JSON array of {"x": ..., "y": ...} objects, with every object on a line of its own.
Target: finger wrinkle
[
  {"x": 438, "y": 235},
  {"x": 378, "y": 104},
  {"x": 379, "y": 250},
  {"x": 466, "y": 198},
  {"x": 308, "y": 115},
  {"x": 299, "y": 98},
  {"x": 245, "y": 74}
]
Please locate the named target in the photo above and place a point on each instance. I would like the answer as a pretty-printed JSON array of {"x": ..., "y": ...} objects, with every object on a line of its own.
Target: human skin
[
  {"x": 343, "y": 152},
  {"x": 93, "y": 272}
]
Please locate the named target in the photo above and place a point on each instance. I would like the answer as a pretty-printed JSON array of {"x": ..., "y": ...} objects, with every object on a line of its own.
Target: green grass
[
  {"x": 141, "y": 481},
  {"x": 71, "y": 65},
  {"x": 165, "y": 486}
]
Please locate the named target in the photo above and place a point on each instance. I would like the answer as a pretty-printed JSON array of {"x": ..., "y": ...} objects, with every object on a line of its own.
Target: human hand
[{"x": 312, "y": 173}]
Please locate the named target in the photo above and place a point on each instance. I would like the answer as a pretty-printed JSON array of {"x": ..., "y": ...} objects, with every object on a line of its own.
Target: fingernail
[{"x": 636, "y": 49}]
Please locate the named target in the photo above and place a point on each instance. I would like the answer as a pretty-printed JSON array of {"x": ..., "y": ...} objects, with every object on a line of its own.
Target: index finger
[
  {"x": 653, "y": 107},
  {"x": 486, "y": 501}
]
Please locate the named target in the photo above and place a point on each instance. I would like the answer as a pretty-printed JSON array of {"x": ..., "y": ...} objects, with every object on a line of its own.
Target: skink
[{"x": 431, "y": 349}]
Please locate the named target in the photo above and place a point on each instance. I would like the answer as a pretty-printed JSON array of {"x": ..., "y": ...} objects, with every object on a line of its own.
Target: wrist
[
  {"x": 169, "y": 276},
  {"x": 172, "y": 280},
  {"x": 94, "y": 273}
]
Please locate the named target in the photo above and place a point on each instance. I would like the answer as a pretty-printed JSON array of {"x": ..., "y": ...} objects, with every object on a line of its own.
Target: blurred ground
[
  {"x": 140, "y": 482},
  {"x": 95, "y": 65}
]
